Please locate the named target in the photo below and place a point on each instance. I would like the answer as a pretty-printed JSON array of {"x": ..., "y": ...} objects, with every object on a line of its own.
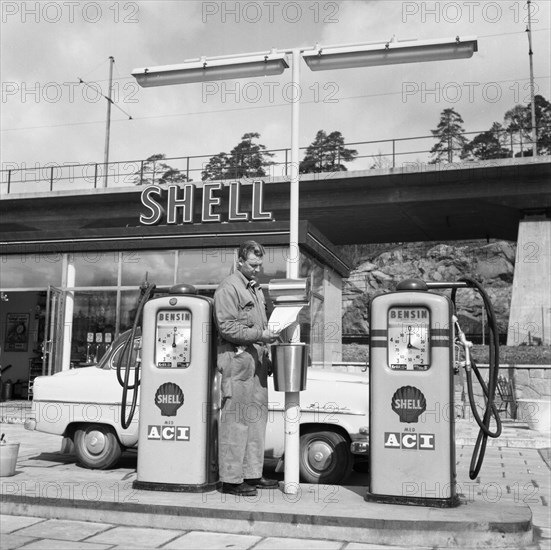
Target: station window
[
  {"x": 94, "y": 325},
  {"x": 95, "y": 268},
  {"x": 156, "y": 266},
  {"x": 129, "y": 300},
  {"x": 207, "y": 266},
  {"x": 31, "y": 270},
  {"x": 274, "y": 265}
]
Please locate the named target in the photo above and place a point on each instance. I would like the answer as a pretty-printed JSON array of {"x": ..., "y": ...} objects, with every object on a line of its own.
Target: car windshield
[
  {"x": 114, "y": 353},
  {"x": 107, "y": 355},
  {"x": 118, "y": 356}
]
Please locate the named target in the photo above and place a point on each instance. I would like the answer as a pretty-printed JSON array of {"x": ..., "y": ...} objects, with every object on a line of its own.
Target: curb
[{"x": 507, "y": 526}]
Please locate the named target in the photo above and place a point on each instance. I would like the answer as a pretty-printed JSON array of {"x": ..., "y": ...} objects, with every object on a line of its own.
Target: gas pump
[
  {"x": 414, "y": 343},
  {"x": 177, "y": 425}
]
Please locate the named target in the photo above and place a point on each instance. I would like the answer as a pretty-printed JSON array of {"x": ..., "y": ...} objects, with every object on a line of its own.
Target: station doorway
[{"x": 31, "y": 332}]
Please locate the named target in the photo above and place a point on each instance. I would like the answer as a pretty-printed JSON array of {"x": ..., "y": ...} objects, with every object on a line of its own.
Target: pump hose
[
  {"x": 126, "y": 356},
  {"x": 488, "y": 390}
]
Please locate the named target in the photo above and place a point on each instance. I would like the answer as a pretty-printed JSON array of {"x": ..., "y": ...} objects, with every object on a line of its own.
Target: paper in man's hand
[{"x": 283, "y": 317}]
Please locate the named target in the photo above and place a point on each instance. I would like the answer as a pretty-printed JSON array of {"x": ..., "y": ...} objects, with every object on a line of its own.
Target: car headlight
[{"x": 359, "y": 447}]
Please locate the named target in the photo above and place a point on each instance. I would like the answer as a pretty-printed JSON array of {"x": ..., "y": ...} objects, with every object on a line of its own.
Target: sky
[{"x": 48, "y": 117}]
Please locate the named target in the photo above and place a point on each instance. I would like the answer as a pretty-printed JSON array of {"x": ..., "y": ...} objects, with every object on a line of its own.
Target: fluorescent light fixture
[
  {"x": 370, "y": 55},
  {"x": 206, "y": 70}
]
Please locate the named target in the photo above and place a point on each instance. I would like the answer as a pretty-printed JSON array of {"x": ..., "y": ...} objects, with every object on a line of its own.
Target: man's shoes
[
  {"x": 241, "y": 489},
  {"x": 263, "y": 483}
]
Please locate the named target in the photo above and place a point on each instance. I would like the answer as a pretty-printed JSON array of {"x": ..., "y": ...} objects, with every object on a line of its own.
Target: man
[{"x": 243, "y": 360}]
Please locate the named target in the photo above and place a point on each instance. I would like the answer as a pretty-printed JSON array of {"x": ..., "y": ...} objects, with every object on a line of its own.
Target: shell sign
[
  {"x": 169, "y": 398},
  {"x": 408, "y": 402}
]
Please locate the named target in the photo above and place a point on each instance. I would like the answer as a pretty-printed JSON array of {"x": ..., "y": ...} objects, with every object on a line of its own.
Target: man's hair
[{"x": 250, "y": 246}]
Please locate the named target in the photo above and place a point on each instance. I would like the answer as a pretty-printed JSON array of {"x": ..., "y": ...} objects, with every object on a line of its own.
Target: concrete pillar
[
  {"x": 530, "y": 313},
  {"x": 68, "y": 315},
  {"x": 331, "y": 333}
]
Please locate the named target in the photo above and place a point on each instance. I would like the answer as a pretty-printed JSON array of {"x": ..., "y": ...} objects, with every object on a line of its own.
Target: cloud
[{"x": 46, "y": 57}]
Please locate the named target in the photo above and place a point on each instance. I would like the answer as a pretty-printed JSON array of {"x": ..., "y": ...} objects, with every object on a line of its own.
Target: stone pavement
[{"x": 53, "y": 503}]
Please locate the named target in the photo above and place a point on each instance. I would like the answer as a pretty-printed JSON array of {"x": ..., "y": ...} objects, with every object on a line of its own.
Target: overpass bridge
[
  {"x": 417, "y": 202},
  {"x": 424, "y": 202}
]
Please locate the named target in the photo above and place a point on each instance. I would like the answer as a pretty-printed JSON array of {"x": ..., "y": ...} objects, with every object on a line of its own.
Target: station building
[{"x": 72, "y": 262}]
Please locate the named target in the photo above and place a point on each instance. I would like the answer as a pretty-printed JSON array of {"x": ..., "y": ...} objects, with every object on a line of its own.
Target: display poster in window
[{"x": 17, "y": 332}]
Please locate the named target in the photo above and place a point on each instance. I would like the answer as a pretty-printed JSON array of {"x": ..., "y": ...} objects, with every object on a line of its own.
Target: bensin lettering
[
  {"x": 168, "y": 433},
  {"x": 176, "y": 316},
  {"x": 408, "y": 441},
  {"x": 409, "y": 314}
]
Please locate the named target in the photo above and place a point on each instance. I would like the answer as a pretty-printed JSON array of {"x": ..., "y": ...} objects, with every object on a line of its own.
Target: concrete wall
[
  {"x": 530, "y": 383},
  {"x": 530, "y": 312}
]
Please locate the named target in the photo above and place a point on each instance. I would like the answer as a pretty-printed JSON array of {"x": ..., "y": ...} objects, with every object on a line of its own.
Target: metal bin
[{"x": 290, "y": 362}]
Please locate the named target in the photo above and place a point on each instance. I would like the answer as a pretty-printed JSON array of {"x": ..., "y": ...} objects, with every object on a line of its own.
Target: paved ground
[{"x": 514, "y": 479}]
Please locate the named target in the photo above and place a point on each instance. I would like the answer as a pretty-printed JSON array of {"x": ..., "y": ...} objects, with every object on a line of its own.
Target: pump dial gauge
[
  {"x": 173, "y": 339},
  {"x": 408, "y": 338}
]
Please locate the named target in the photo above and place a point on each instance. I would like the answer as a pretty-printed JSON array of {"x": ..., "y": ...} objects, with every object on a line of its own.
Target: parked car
[{"x": 84, "y": 405}]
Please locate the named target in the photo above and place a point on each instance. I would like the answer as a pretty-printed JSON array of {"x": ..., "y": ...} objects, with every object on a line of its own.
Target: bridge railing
[{"x": 387, "y": 153}]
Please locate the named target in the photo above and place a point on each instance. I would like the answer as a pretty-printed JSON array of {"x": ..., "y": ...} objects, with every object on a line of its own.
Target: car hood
[
  {"x": 88, "y": 385},
  {"x": 336, "y": 376},
  {"x": 326, "y": 389},
  {"x": 329, "y": 392}
]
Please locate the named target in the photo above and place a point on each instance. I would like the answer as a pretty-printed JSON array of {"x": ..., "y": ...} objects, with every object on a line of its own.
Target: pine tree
[
  {"x": 543, "y": 124},
  {"x": 518, "y": 123},
  {"x": 246, "y": 160},
  {"x": 488, "y": 145},
  {"x": 451, "y": 140},
  {"x": 216, "y": 168},
  {"x": 154, "y": 171},
  {"x": 326, "y": 154}
]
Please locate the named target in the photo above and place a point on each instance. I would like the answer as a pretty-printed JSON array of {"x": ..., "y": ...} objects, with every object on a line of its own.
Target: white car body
[{"x": 333, "y": 402}]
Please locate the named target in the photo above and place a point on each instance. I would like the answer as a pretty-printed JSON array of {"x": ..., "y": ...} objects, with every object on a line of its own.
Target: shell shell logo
[
  {"x": 408, "y": 402},
  {"x": 169, "y": 398}
]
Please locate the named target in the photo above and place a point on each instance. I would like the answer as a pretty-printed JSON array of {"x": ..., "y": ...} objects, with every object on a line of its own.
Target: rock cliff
[{"x": 378, "y": 268}]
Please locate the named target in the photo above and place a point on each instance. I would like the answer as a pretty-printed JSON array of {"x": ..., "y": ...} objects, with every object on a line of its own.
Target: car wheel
[
  {"x": 97, "y": 446},
  {"x": 324, "y": 458}
]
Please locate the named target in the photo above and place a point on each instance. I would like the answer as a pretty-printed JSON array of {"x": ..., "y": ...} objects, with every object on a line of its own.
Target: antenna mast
[
  {"x": 532, "y": 94},
  {"x": 108, "y": 123}
]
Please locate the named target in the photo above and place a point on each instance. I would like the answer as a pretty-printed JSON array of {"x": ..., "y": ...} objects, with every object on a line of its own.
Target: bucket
[
  {"x": 8, "y": 459},
  {"x": 290, "y": 363}
]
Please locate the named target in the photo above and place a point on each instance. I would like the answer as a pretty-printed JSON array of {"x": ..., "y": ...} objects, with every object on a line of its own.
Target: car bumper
[
  {"x": 359, "y": 448},
  {"x": 360, "y": 443}
]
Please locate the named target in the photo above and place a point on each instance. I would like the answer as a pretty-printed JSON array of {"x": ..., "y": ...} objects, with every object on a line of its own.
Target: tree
[
  {"x": 381, "y": 161},
  {"x": 518, "y": 122},
  {"x": 543, "y": 124},
  {"x": 246, "y": 160},
  {"x": 155, "y": 172},
  {"x": 488, "y": 145},
  {"x": 216, "y": 168},
  {"x": 326, "y": 154},
  {"x": 451, "y": 140}
]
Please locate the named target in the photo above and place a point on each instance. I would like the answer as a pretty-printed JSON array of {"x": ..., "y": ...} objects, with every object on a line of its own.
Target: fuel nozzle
[{"x": 461, "y": 340}]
